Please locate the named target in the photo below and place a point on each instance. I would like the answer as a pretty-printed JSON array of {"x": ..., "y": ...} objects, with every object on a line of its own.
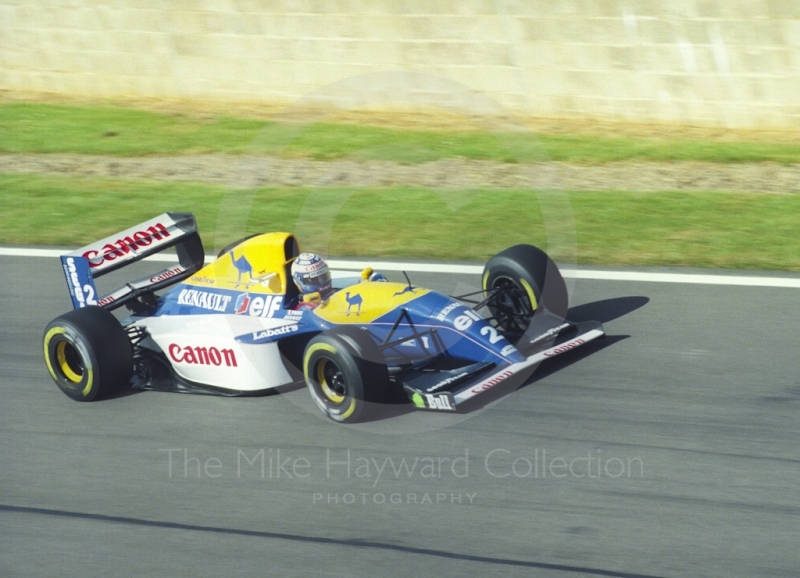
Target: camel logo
[
  {"x": 354, "y": 300},
  {"x": 242, "y": 266},
  {"x": 408, "y": 289}
]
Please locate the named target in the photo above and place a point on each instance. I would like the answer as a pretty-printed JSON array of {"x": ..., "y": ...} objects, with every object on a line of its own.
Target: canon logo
[
  {"x": 125, "y": 245},
  {"x": 106, "y": 300},
  {"x": 489, "y": 383},
  {"x": 202, "y": 355},
  {"x": 564, "y": 348},
  {"x": 167, "y": 274}
]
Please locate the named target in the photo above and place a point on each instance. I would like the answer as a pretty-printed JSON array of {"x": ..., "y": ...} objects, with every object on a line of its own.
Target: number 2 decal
[
  {"x": 90, "y": 300},
  {"x": 494, "y": 337}
]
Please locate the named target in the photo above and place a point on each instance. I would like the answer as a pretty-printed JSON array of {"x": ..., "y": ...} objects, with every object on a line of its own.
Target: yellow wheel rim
[
  {"x": 323, "y": 382},
  {"x": 531, "y": 296},
  {"x": 64, "y": 365}
]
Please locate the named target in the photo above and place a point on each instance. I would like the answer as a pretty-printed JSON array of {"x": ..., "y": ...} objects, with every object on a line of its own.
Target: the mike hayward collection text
[{"x": 347, "y": 464}]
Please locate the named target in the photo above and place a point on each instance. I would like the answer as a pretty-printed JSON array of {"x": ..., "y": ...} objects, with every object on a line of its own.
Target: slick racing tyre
[
  {"x": 88, "y": 353},
  {"x": 345, "y": 374},
  {"x": 527, "y": 280}
]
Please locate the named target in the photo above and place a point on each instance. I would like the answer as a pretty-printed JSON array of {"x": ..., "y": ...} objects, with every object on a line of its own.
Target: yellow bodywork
[
  {"x": 365, "y": 302},
  {"x": 265, "y": 254}
]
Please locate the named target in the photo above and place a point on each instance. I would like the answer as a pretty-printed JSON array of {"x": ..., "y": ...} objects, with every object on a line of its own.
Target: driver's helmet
[{"x": 311, "y": 274}]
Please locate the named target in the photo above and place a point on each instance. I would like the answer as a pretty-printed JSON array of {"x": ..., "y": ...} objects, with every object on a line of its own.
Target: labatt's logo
[
  {"x": 124, "y": 245},
  {"x": 282, "y": 330}
]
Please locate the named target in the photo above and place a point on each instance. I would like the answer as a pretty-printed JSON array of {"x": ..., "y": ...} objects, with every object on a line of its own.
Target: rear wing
[{"x": 83, "y": 266}]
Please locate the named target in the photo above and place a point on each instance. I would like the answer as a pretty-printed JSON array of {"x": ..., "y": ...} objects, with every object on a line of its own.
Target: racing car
[{"x": 236, "y": 327}]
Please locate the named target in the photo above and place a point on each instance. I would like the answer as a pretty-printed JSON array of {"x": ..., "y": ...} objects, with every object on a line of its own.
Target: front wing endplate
[{"x": 448, "y": 400}]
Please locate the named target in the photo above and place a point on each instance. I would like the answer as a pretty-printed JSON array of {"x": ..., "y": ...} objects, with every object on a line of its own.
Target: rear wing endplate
[{"x": 82, "y": 266}]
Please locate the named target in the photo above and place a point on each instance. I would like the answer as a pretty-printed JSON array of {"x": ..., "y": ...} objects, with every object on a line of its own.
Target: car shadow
[
  {"x": 389, "y": 411},
  {"x": 603, "y": 311},
  {"x": 564, "y": 360},
  {"x": 123, "y": 392},
  {"x": 607, "y": 309},
  {"x": 541, "y": 371}
]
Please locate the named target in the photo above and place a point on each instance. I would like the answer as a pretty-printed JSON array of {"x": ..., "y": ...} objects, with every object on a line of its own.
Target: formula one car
[{"x": 234, "y": 327}]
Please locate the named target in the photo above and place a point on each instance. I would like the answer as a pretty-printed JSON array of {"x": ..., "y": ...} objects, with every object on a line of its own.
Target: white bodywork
[{"x": 202, "y": 349}]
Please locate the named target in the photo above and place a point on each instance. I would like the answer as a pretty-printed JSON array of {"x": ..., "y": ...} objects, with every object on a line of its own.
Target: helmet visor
[{"x": 316, "y": 280}]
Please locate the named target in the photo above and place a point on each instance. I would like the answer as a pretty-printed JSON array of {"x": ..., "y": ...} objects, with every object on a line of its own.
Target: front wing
[{"x": 464, "y": 391}]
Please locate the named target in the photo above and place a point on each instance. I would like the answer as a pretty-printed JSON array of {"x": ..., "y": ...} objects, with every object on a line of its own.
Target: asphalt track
[{"x": 681, "y": 428}]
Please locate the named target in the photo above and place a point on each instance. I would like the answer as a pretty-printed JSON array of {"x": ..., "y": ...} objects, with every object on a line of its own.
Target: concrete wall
[{"x": 733, "y": 63}]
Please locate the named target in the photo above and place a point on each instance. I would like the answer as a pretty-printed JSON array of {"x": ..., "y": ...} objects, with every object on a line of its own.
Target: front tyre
[
  {"x": 524, "y": 280},
  {"x": 88, "y": 353},
  {"x": 345, "y": 374}
]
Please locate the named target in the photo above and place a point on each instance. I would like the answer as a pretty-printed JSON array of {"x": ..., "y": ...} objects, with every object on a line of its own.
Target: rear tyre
[
  {"x": 88, "y": 353},
  {"x": 528, "y": 281},
  {"x": 345, "y": 374}
]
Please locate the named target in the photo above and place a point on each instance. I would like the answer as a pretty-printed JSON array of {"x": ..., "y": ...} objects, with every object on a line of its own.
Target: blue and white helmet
[{"x": 311, "y": 274}]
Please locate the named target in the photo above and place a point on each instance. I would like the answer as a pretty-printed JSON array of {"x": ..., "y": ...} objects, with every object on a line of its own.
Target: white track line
[
  {"x": 413, "y": 267},
  {"x": 740, "y": 280},
  {"x": 347, "y": 265}
]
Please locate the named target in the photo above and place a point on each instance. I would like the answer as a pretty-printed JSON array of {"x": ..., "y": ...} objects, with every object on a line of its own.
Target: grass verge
[
  {"x": 725, "y": 230},
  {"x": 49, "y": 128}
]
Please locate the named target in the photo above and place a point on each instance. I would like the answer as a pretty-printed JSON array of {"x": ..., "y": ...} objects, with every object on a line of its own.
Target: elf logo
[
  {"x": 258, "y": 306},
  {"x": 242, "y": 302}
]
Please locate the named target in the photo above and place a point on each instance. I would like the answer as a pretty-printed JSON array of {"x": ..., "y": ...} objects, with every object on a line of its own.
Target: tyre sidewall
[
  {"x": 87, "y": 388},
  {"x": 366, "y": 375},
  {"x": 327, "y": 347},
  {"x": 531, "y": 264},
  {"x": 369, "y": 359},
  {"x": 104, "y": 348}
]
